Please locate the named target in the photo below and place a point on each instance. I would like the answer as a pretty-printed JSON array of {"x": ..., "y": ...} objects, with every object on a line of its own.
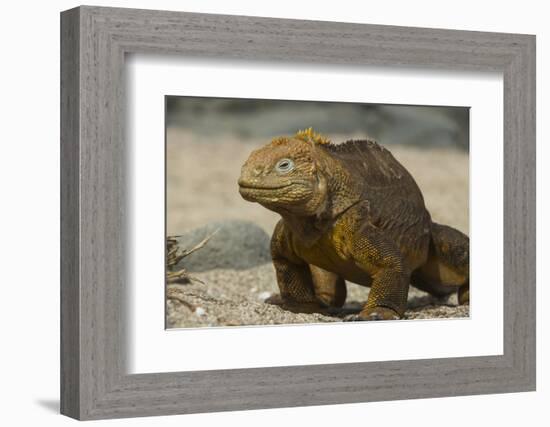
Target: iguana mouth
[{"x": 248, "y": 186}]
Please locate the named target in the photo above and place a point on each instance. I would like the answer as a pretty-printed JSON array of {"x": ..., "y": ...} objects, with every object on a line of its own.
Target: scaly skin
[{"x": 350, "y": 212}]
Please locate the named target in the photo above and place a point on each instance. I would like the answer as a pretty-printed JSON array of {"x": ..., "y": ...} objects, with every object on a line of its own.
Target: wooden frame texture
[{"x": 94, "y": 41}]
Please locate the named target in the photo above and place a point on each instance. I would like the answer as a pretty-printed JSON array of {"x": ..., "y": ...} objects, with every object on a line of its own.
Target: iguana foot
[
  {"x": 274, "y": 299},
  {"x": 373, "y": 313},
  {"x": 297, "y": 307}
]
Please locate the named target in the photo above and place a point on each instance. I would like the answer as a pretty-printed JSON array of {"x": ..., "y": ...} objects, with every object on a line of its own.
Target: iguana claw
[{"x": 375, "y": 313}]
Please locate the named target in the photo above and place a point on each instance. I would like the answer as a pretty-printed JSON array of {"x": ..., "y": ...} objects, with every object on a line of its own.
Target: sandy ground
[
  {"x": 232, "y": 298},
  {"x": 202, "y": 187}
]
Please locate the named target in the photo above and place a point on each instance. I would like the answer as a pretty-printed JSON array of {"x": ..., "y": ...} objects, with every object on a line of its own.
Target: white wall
[{"x": 30, "y": 210}]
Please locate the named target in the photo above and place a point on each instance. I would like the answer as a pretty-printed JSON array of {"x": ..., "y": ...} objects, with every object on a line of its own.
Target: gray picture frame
[{"x": 94, "y": 42}]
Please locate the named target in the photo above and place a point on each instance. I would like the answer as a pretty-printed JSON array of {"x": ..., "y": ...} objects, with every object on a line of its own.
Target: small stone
[
  {"x": 199, "y": 311},
  {"x": 264, "y": 295}
]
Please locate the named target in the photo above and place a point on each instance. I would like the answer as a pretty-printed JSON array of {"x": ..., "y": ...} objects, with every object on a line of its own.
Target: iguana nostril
[{"x": 257, "y": 171}]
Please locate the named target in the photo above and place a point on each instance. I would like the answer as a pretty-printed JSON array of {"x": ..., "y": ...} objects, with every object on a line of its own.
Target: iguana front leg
[
  {"x": 297, "y": 292},
  {"x": 381, "y": 259}
]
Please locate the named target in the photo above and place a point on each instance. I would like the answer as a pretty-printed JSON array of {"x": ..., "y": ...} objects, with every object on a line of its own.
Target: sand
[
  {"x": 202, "y": 188},
  {"x": 236, "y": 297}
]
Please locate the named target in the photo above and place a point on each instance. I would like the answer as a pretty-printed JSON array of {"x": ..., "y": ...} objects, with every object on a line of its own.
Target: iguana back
[{"x": 394, "y": 199}]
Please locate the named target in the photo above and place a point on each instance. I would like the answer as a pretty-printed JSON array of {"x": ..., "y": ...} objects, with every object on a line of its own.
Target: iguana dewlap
[{"x": 352, "y": 212}]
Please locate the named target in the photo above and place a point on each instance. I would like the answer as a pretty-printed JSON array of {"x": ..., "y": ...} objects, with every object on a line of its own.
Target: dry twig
[{"x": 174, "y": 254}]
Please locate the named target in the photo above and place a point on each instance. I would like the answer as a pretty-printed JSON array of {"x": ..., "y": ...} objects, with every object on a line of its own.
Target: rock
[
  {"x": 237, "y": 245},
  {"x": 264, "y": 295}
]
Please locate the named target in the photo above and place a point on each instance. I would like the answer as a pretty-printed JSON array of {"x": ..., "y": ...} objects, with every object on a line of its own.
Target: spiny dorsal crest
[
  {"x": 356, "y": 145},
  {"x": 350, "y": 146},
  {"x": 308, "y": 135}
]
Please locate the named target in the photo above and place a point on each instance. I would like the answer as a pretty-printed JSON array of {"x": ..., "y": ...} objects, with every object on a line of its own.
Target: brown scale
[{"x": 352, "y": 212}]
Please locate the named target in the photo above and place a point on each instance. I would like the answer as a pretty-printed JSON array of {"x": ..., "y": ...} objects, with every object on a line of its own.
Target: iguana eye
[{"x": 284, "y": 165}]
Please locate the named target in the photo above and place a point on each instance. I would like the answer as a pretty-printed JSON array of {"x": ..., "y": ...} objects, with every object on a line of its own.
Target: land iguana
[{"x": 350, "y": 211}]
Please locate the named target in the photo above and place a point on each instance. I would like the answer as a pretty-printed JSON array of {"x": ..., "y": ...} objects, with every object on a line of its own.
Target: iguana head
[{"x": 284, "y": 175}]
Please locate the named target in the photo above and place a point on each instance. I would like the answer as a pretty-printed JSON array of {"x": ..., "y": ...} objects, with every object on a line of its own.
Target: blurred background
[
  {"x": 208, "y": 139},
  {"x": 250, "y": 119}
]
